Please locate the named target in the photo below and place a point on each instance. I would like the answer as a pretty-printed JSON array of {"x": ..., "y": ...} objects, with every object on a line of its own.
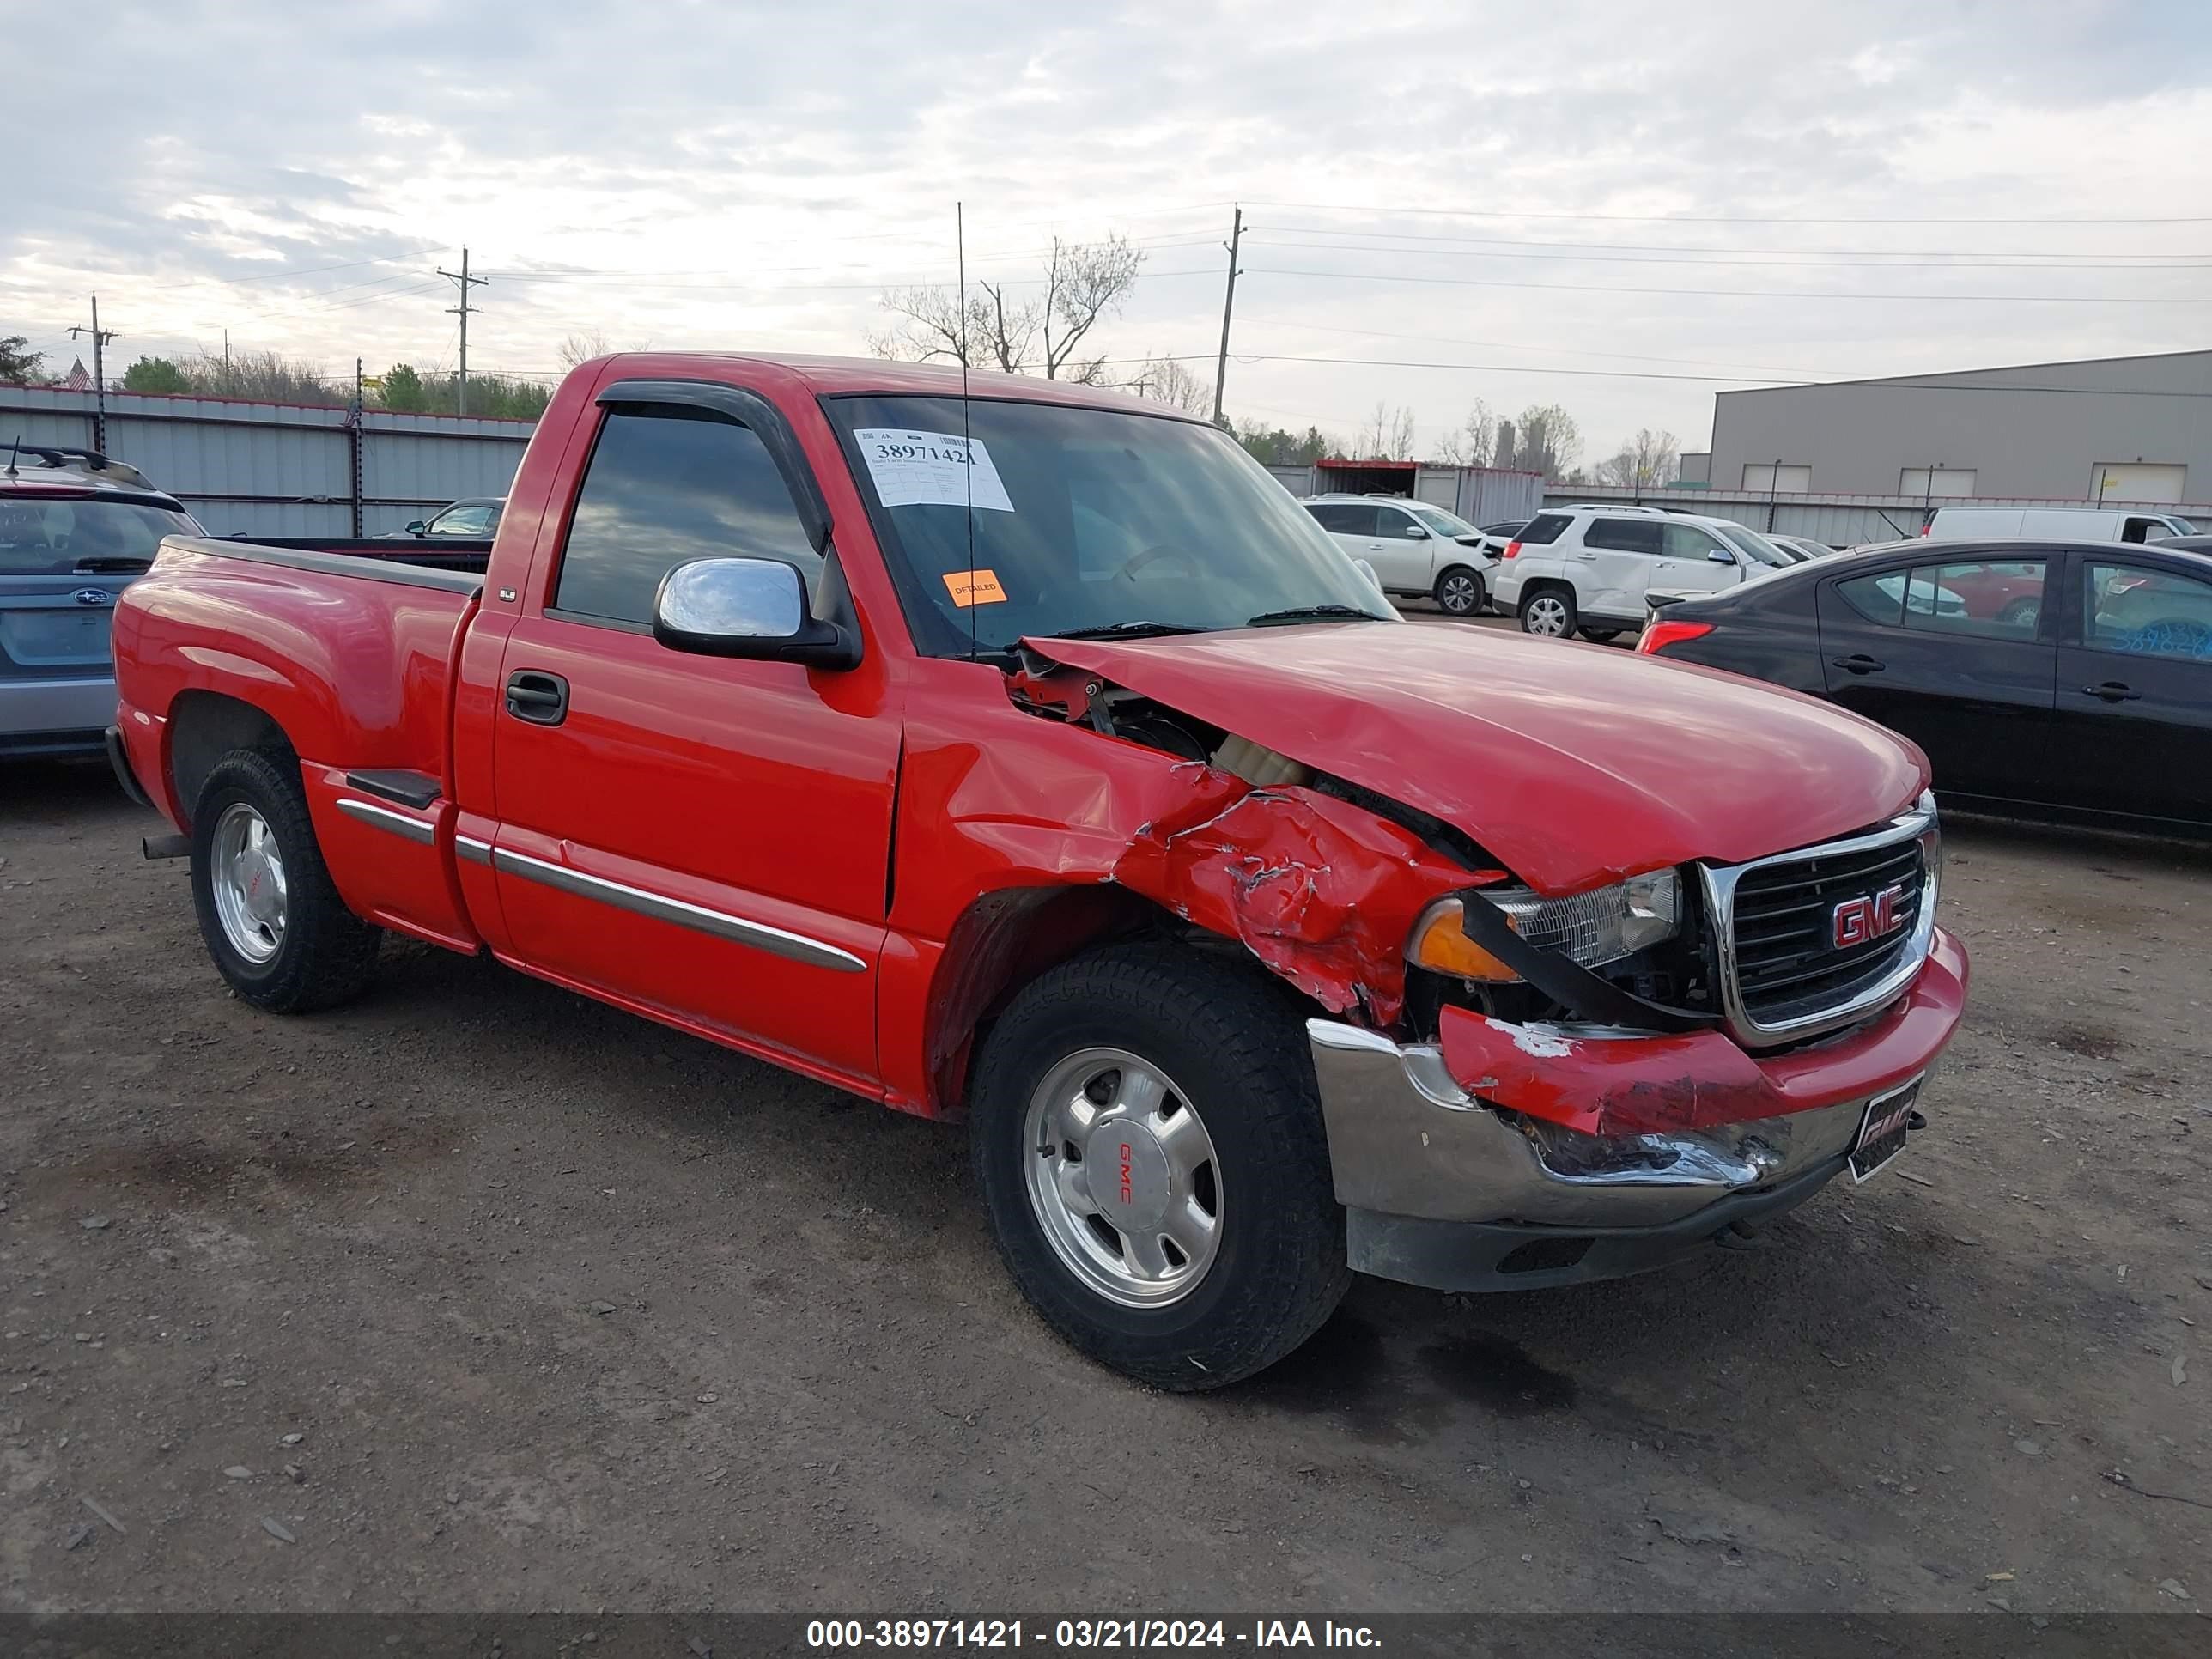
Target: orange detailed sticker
[{"x": 974, "y": 587}]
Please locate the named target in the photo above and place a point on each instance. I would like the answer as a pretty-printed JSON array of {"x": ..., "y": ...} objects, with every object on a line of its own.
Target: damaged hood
[{"x": 1575, "y": 765}]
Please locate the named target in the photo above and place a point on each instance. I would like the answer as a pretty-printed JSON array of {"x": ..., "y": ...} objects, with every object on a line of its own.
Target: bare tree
[
  {"x": 1170, "y": 382},
  {"x": 582, "y": 348},
  {"x": 1645, "y": 461},
  {"x": 1548, "y": 440},
  {"x": 1084, "y": 284},
  {"x": 1476, "y": 441},
  {"x": 1388, "y": 436}
]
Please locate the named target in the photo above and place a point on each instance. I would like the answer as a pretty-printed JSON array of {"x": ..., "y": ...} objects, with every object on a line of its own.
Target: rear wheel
[
  {"x": 1149, "y": 1141},
  {"x": 272, "y": 918},
  {"x": 1458, "y": 593},
  {"x": 1548, "y": 612},
  {"x": 2021, "y": 613}
]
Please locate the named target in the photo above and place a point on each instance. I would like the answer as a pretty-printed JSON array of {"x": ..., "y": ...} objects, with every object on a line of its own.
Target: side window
[
  {"x": 1878, "y": 598},
  {"x": 1542, "y": 529},
  {"x": 1346, "y": 518},
  {"x": 665, "y": 487},
  {"x": 1393, "y": 523},
  {"x": 2144, "y": 612},
  {"x": 1993, "y": 601},
  {"x": 2143, "y": 530},
  {"x": 1687, "y": 541},
  {"x": 462, "y": 522},
  {"x": 1624, "y": 535}
]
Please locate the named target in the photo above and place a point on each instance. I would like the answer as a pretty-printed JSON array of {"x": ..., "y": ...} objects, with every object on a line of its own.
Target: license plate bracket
[{"x": 1882, "y": 1131}]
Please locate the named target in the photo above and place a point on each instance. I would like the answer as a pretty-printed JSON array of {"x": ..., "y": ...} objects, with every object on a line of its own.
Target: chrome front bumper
[{"x": 1442, "y": 1187}]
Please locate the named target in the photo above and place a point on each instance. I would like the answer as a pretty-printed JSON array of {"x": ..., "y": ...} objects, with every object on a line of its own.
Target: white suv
[
  {"x": 1413, "y": 548},
  {"x": 1587, "y": 567}
]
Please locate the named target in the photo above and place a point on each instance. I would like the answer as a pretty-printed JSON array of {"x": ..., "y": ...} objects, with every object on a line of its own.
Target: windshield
[
  {"x": 44, "y": 535},
  {"x": 1449, "y": 525},
  {"x": 1748, "y": 541},
  {"x": 2189, "y": 526},
  {"x": 1085, "y": 519}
]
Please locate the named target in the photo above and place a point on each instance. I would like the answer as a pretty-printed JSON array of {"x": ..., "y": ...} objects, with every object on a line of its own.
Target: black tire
[
  {"x": 1600, "y": 636},
  {"x": 2021, "y": 613},
  {"x": 1234, "y": 1040},
  {"x": 1460, "y": 593},
  {"x": 327, "y": 954},
  {"x": 1564, "y": 595}
]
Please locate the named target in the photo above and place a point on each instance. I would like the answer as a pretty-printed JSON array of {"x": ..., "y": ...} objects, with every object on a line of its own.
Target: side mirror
[
  {"x": 1415, "y": 533},
  {"x": 1721, "y": 555},
  {"x": 415, "y": 527},
  {"x": 750, "y": 608}
]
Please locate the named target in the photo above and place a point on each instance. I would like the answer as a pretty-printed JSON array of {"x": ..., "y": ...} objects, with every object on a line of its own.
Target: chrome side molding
[{"x": 777, "y": 941}]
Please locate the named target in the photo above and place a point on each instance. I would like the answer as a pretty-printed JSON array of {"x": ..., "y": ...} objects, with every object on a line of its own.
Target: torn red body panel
[
  {"x": 1320, "y": 890},
  {"x": 1647, "y": 1085},
  {"x": 1544, "y": 767}
]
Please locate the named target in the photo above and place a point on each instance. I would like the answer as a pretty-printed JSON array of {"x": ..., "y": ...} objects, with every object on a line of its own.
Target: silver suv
[
  {"x": 75, "y": 528},
  {"x": 1413, "y": 548},
  {"x": 1588, "y": 569}
]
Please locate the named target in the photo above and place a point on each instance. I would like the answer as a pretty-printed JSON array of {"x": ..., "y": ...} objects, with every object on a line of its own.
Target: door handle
[
  {"x": 1590, "y": 557},
  {"x": 2112, "y": 692},
  {"x": 1858, "y": 663},
  {"x": 540, "y": 698}
]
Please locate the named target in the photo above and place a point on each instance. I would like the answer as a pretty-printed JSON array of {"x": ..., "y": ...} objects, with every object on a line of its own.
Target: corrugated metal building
[
  {"x": 2122, "y": 429},
  {"x": 280, "y": 469}
]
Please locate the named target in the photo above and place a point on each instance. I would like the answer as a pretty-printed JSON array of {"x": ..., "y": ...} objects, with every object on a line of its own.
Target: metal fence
[
  {"x": 280, "y": 469},
  {"x": 1839, "y": 521},
  {"x": 1480, "y": 495}
]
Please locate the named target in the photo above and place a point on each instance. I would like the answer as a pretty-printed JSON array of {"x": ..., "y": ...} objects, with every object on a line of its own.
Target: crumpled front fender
[{"x": 1321, "y": 891}]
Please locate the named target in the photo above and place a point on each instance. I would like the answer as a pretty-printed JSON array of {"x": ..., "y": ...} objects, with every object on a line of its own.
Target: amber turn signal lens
[{"x": 1440, "y": 944}]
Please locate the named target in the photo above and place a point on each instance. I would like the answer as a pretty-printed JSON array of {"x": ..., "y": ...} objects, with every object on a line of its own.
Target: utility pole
[
  {"x": 462, "y": 279},
  {"x": 99, "y": 376},
  {"x": 1228, "y": 305}
]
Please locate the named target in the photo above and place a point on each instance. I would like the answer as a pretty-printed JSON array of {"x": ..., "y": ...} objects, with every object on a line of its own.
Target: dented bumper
[{"x": 1503, "y": 1156}]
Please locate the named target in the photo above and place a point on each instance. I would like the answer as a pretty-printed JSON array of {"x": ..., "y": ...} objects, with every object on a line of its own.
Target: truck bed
[{"x": 470, "y": 557}]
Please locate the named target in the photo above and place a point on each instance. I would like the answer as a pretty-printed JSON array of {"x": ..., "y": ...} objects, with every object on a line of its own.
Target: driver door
[{"x": 697, "y": 837}]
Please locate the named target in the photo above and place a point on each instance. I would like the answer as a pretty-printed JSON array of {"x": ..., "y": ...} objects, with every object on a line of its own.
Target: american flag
[{"x": 78, "y": 379}]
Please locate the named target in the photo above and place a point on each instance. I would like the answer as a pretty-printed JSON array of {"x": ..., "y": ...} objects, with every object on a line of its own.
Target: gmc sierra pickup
[{"x": 1030, "y": 756}]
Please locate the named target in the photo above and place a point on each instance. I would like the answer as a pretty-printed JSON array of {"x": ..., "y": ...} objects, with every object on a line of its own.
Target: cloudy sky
[{"x": 1587, "y": 202}]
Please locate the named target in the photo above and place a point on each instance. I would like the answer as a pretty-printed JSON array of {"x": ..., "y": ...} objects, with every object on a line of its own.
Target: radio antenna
[{"x": 967, "y": 449}]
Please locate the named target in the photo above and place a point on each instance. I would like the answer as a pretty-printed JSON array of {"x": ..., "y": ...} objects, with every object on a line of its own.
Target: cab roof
[{"x": 845, "y": 377}]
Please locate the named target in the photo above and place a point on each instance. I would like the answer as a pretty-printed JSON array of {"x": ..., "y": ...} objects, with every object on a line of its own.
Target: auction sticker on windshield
[{"x": 930, "y": 469}]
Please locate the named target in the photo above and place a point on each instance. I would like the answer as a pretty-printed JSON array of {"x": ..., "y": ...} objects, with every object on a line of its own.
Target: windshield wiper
[
  {"x": 1121, "y": 630},
  {"x": 1298, "y": 613},
  {"x": 97, "y": 566}
]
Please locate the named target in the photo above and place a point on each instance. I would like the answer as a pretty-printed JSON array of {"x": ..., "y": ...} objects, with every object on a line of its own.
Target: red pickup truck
[{"x": 1033, "y": 758}]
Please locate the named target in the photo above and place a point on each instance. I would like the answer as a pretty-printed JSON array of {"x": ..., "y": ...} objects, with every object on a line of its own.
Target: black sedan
[{"x": 2056, "y": 679}]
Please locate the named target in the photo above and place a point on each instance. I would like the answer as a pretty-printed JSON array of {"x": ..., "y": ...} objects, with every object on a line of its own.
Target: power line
[
  {"x": 1373, "y": 211},
  {"x": 1512, "y": 346},
  {"x": 1922, "y": 257},
  {"x": 1741, "y": 292},
  {"x": 1899, "y": 383},
  {"x": 1655, "y": 258}
]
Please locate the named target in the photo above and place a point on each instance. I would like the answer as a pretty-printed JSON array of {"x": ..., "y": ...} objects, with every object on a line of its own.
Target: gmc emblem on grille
[{"x": 1855, "y": 921}]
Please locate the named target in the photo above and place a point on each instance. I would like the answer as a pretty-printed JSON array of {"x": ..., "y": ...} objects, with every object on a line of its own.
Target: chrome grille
[
  {"x": 1783, "y": 976},
  {"x": 1787, "y": 962}
]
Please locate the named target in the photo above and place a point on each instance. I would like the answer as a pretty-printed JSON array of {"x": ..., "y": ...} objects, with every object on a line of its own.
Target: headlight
[{"x": 1593, "y": 928}]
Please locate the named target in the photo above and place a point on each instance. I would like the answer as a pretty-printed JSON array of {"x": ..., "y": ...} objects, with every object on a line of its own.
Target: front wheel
[
  {"x": 1548, "y": 612},
  {"x": 1601, "y": 635},
  {"x": 1458, "y": 593},
  {"x": 1149, "y": 1141}
]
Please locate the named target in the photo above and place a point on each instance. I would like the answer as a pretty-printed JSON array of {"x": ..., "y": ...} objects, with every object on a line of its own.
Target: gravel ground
[{"x": 479, "y": 1296}]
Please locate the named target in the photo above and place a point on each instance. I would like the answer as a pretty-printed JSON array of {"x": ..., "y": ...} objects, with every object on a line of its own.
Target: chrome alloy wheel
[
  {"x": 248, "y": 882},
  {"x": 1460, "y": 594},
  {"x": 1122, "y": 1178},
  {"x": 1546, "y": 615}
]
